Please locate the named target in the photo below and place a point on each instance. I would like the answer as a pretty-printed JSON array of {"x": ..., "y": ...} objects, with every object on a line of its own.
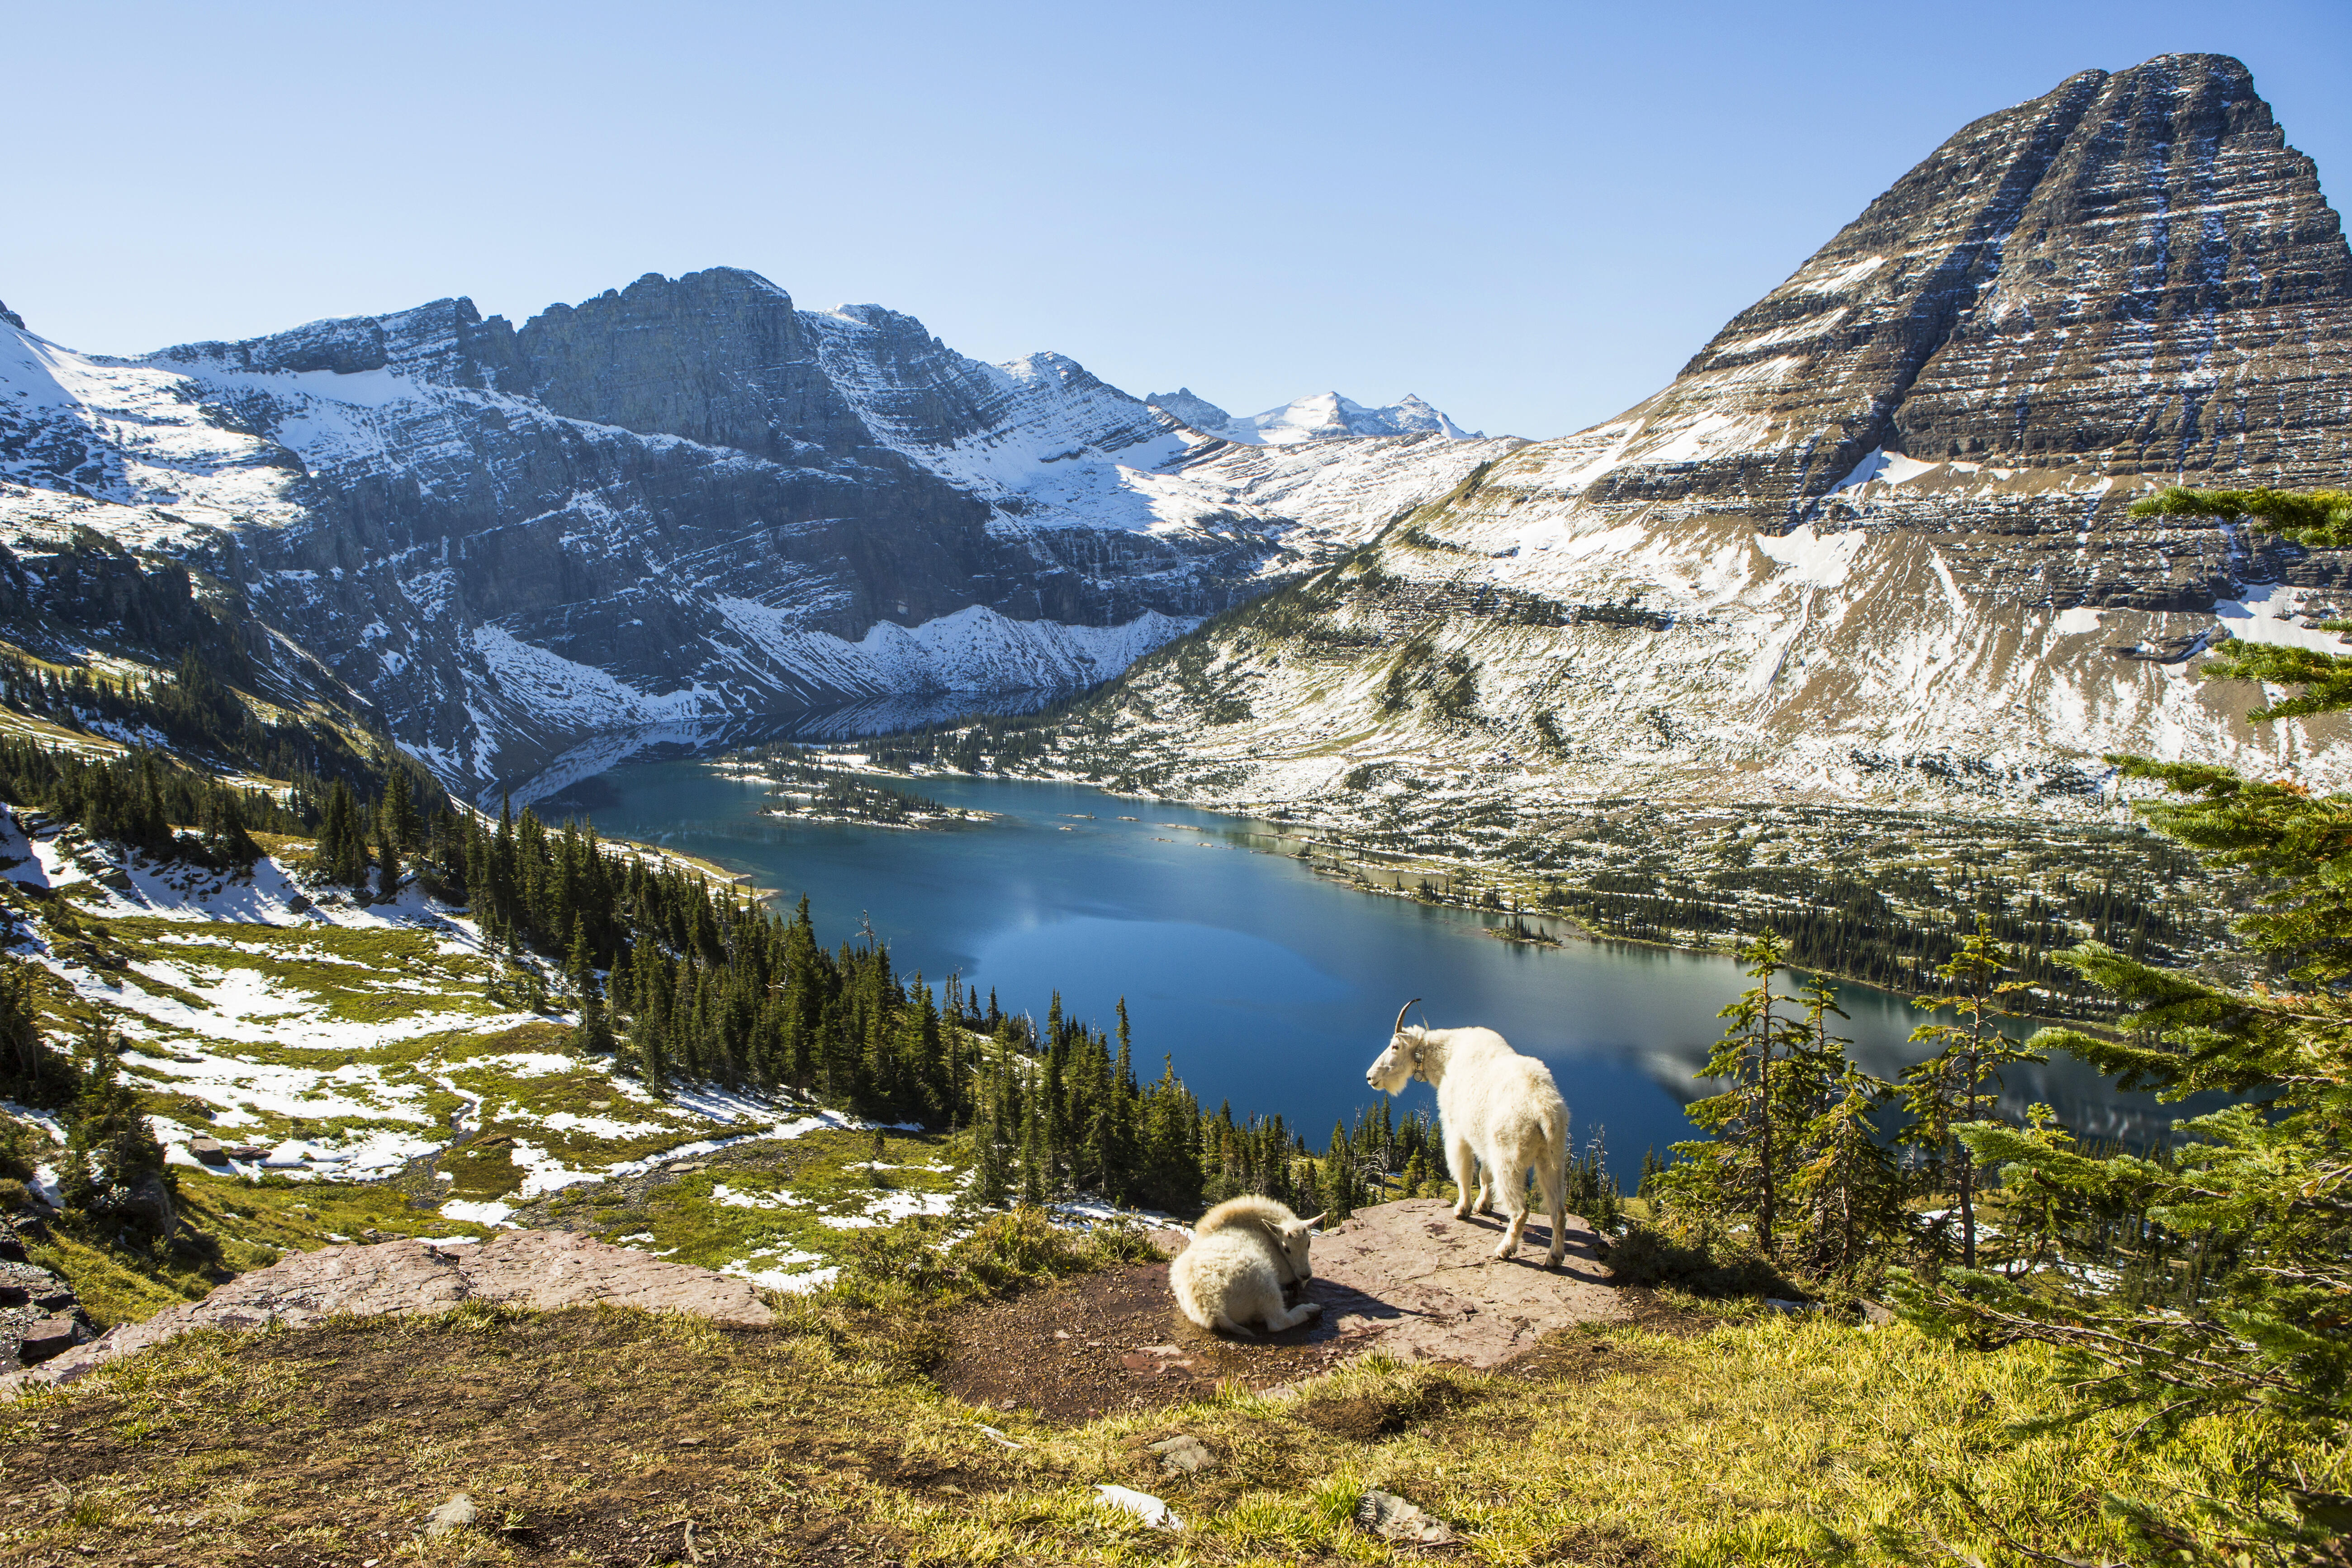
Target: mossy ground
[{"x": 595, "y": 1437}]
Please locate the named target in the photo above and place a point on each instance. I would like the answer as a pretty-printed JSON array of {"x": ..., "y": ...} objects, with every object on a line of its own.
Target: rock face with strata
[
  {"x": 2132, "y": 273},
  {"x": 543, "y": 1270},
  {"x": 1873, "y": 545}
]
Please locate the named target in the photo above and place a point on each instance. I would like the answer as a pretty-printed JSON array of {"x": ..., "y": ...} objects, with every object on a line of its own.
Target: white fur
[
  {"x": 1275, "y": 1221},
  {"x": 1499, "y": 1113},
  {"x": 1232, "y": 1274}
]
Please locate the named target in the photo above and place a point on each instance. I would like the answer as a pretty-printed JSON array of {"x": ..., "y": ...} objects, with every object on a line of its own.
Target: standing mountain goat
[
  {"x": 1499, "y": 1113},
  {"x": 1244, "y": 1252}
]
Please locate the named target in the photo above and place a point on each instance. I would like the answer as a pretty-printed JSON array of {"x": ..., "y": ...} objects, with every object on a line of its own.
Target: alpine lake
[{"x": 1268, "y": 985}]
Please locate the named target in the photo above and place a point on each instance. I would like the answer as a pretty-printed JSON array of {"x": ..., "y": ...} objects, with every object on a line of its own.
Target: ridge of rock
[{"x": 539, "y": 1269}]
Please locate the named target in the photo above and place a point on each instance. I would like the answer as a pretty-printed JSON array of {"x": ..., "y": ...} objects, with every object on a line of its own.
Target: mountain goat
[
  {"x": 1244, "y": 1252},
  {"x": 1499, "y": 1113}
]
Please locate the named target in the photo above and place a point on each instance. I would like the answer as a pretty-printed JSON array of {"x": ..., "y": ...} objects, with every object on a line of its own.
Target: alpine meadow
[{"x": 700, "y": 931}]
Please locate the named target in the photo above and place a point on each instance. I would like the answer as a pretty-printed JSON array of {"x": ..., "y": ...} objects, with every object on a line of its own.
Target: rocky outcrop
[
  {"x": 41, "y": 1318},
  {"x": 1873, "y": 544},
  {"x": 1409, "y": 1280},
  {"x": 543, "y": 1270}
]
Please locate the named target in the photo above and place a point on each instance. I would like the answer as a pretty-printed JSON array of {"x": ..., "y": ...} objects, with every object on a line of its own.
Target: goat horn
[{"x": 1398, "y": 1025}]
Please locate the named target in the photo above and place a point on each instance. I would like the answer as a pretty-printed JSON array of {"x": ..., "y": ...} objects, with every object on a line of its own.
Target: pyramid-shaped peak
[{"x": 2133, "y": 271}]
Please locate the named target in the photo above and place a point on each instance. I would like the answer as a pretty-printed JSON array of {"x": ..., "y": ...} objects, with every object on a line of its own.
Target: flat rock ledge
[
  {"x": 543, "y": 1269},
  {"x": 1410, "y": 1279}
]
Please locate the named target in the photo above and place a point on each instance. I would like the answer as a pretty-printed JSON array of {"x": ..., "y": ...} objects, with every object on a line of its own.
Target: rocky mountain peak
[
  {"x": 719, "y": 357},
  {"x": 2092, "y": 276},
  {"x": 1318, "y": 416},
  {"x": 11, "y": 317},
  {"x": 1874, "y": 542},
  {"x": 1186, "y": 409}
]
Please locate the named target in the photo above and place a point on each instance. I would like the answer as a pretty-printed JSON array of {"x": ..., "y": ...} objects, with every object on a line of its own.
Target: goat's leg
[
  {"x": 1551, "y": 1170},
  {"x": 1305, "y": 1312},
  {"x": 1463, "y": 1164},
  {"x": 1226, "y": 1325},
  {"x": 1513, "y": 1179}
]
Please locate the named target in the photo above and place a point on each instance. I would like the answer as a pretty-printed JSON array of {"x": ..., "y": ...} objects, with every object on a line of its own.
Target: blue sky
[{"x": 1530, "y": 215}]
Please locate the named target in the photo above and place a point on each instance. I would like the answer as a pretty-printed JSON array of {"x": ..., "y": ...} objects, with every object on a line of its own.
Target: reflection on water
[{"x": 1269, "y": 986}]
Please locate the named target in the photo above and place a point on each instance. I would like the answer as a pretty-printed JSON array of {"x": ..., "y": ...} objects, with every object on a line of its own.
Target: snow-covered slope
[
  {"x": 1873, "y": 544},
  {"x": 682, "y": 502}
]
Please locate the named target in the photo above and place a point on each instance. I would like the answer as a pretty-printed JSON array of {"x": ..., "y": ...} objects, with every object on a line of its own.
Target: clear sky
[{"x": 1531, "y": 215}]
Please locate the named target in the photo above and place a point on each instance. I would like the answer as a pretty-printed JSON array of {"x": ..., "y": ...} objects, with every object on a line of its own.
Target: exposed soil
[
  {"x": 563, "y": 1468},
  {"x": 1115, "y": 1340}
]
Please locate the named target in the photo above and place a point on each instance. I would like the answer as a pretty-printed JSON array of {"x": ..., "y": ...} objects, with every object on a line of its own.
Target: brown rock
[
  {"x": 1420, "y": 1285},
  {"x": 45, "y": 1339},
  {"x": 537, "y": 1268},
  {"x": 1183, "y": 1455}
]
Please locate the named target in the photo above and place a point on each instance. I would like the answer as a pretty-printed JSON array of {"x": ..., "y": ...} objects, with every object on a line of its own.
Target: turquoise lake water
[{"x": 1269, "y": 986}]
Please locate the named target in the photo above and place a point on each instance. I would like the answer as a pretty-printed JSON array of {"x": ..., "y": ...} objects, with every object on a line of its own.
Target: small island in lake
[{"x": 815, "y": 786}]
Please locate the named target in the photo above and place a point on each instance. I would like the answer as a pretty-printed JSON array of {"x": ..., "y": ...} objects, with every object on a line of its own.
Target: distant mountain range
[
  {"x": 1872, "y": 545},
  {"x": 1323, "y": 416},
  {"x": 680, "y": 504}
]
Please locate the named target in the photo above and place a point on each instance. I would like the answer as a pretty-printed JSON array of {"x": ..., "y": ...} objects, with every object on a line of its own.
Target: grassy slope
[
  {"x": 354, "y": 1029},
  {"x": 1776, "y": 1441}
]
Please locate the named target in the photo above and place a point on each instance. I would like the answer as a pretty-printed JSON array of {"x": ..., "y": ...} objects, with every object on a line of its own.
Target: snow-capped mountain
[
  {"x": 1873, "y": 544},
  {"x": 1321, "y": 417},
  {"x": 682, "y": 502}
]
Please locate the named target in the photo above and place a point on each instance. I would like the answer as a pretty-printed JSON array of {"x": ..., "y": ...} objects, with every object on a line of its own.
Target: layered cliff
[
  {"x": 1872, "y": 545},
  {"x": 684, "y": 502}
]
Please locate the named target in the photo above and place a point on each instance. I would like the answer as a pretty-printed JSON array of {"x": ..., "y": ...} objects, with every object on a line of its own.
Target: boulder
[
  {"x": 48, "y": 1338},
  {"x": 1391, "y": 1518},
  {"x": 41, "y": 1317},
  {"x": 536, "y": 1268},
  {"x": 148, "y": 1205}
]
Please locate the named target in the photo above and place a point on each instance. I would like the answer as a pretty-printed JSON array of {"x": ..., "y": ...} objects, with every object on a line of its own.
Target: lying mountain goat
[
  {"x": 1244, "y": 1252},
  {"x": 1499, "y": 1112}
]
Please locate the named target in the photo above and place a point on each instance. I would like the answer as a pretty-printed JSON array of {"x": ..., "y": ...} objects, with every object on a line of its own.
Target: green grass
[{"x": 1776, "y": 1442}]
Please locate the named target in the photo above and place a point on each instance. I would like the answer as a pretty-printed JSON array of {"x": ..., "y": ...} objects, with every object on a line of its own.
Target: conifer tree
[
  {"x": 1960, "y": 1084},
  {"x": 594, "y": 1036},
  {"x": 1745, "y": 1165},
  {"x": 109, "y": 1148},
  {"x": 396, "y": 823},
  {"x": 2226, "y": 1288},
  {"x": 30, "y": 1072}
]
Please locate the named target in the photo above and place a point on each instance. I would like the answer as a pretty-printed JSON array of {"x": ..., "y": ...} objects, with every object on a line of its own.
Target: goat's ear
[{"x": 1311, "y": 1224}]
